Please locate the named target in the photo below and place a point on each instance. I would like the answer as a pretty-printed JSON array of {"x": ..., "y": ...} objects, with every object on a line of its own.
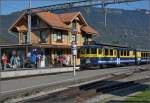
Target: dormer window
[
  {"x": 74, "y": 25},
  {"x": 74, "y": 38}
]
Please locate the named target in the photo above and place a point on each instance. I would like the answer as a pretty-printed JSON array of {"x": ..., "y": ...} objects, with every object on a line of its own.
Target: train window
[
  {"x": 128, "y": 53},
  {"x": 115, "y": 52},
  {"x": 82, "y": 51},
  {"x": 106, "y": 51},
  {"x": 93, "y": 51},
  {"x": 88, "y": 51},
  {"x": 134, "y": 52},
  {"x": 124, "y": 52},
  {"x": 142, "y": 54},
  {"x": 121, "y": 52},
  {"x": 145, "y": 54},
  {"x": 111, "y": 51},
  {"x": 99, "y": 51}
]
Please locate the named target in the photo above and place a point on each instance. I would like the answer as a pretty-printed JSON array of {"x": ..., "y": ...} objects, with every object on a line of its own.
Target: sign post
[{"x": 74, "y": 53}]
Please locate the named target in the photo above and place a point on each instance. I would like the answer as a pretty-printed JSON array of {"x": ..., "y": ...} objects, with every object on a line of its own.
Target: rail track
[
  {"x": 83, "y": 86},
  {"x": 84, "y": 92}
]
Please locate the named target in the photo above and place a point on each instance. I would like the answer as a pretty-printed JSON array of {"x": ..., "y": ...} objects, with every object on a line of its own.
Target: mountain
[
  {"x": 124, "y": 27},
  {"x": 5, "y": 22}
]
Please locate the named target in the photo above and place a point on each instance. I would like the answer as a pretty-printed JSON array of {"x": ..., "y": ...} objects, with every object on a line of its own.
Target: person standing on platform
[
  {"x": 2, "y": 64},
  {"x": 5, "y": 60},
  {"x": 18, "y": 63}
]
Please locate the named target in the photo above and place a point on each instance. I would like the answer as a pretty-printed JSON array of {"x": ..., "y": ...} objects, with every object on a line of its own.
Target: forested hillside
[{"x": 124, "y": 27}]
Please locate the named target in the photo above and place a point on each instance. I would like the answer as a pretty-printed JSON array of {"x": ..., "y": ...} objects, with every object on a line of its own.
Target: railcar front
[
  {"x": 97, "y": 56},
  {"x": 89, "y": 56}
]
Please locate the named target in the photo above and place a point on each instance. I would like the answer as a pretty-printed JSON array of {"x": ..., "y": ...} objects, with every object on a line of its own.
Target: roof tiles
[{"x": 52, "y": 20}]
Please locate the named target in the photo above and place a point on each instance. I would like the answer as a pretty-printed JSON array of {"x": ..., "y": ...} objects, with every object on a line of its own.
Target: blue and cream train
[{"x": 104, "y": 55}]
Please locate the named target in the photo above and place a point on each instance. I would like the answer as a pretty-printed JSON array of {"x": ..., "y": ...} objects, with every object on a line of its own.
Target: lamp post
[{"x": 74, "y": 54}]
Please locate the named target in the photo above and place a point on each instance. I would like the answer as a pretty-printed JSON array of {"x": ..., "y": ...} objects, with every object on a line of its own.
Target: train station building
[{"x": 51, "y": 34}]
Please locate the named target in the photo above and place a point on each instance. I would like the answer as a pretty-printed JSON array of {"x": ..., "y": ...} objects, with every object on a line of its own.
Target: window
[
  {"x": 128, "y": 53},
  {"x": 57, "y": 36},
  {"x": 93, "y": 51},
  {"x": 111, "y": 52},
  {"x": 82, "y": 51},
  {"x": 43, "y": 36},
  {"x": 86, "y": 39},
  {"x": 145, "y": 54},
  {"x": 134, "y": 52},
  {"x": 34, "y": 21},
  {"x": 106, "y": 52},
  {"x": 121, "y": 52},
  {"x": 99, "y": 51},
  {"x": 115, "y": 52},
  {"x": 124, "y": 52},
  {"x": 74, "y": 38},
  {"x": 25, "y": 37},
  {"x": 142, "y": 54},
  {"x": 74, "y": 25},
  {"x": 88, "y": 51}
]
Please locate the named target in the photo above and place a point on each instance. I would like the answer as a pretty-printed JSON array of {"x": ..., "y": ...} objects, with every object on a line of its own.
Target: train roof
[
  {"x": 107, "y": 45},
  {"x": 119, "y": 47},
  {"x": 143, "y": 50}
]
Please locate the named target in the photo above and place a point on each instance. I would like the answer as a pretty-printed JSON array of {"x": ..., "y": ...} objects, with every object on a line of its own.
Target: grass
[{"x": 143, "y": 96}]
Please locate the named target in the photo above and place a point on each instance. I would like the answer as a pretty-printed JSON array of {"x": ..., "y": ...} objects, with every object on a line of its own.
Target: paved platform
[
  {"x": 28, "y": 82},
  {"x": 59, "y": 81},
  {"x": 30, "y": 72}
]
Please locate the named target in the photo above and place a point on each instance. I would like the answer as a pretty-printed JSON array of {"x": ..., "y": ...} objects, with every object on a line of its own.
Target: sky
[{"x": 9, "y": 6}]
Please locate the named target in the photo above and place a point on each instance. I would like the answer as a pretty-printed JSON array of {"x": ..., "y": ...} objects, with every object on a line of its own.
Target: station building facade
[{"x": 52, "y": 33}]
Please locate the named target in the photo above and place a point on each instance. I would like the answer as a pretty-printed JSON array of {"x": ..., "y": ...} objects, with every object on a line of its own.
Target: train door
[
  {"x": 118, "y": 57},
  {"x": 135, "y": 56}
]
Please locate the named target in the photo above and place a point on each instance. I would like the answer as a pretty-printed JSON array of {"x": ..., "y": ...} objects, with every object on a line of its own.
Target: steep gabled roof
[
  {"x": 52, "y": 20},
  {"x": 89, "y": 30},
  {"x": 17, "y": 21},
  {"x": 58, "y": 21},
  {"x": 69, "y": 17}
]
